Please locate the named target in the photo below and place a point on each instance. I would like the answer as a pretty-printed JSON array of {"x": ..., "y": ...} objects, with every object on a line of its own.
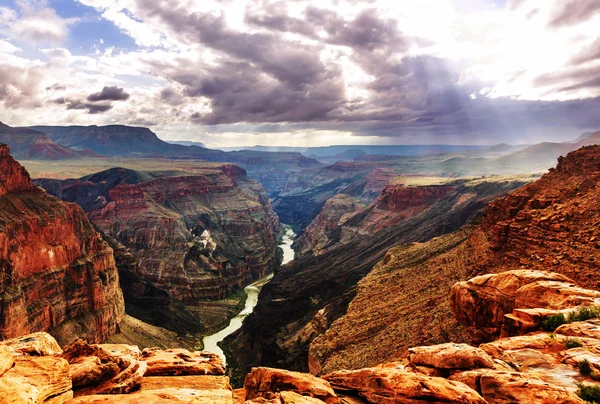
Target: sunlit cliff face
[{"x": 242, "y": 72}]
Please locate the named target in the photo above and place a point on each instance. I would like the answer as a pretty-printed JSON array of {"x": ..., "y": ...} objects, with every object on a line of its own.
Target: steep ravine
[{"x": 211, "y": 342}]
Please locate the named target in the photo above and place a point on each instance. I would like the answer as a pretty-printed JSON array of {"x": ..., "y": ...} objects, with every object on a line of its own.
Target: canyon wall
[
  {"x": 57, "y": 273},
  {"x": 195, "y": 235}
]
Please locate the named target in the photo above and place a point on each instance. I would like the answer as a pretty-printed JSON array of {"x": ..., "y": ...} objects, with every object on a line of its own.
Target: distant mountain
[
  {"x": 120, "y": 140},
  {"x": 186, "y": 143},
  {"x": 26, "y": 143},
  {"x": 346, "y": 155}
]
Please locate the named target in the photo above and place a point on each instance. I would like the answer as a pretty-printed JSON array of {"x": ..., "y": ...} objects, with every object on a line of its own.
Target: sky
[{"x": 306, "y": 73}]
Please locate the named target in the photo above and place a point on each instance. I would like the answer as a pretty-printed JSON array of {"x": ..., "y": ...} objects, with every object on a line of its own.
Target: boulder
[
  {"x": 286, "y": 397},
  {"x": 35, "y": 379},
  {"x": 450, "y": 356},
  {"x": 179, "y": 362},
  {"x": 168, "y": 395},
  {"x": 482, "y": 302},
  {"x": 7, "y": 359},
  {"x": 513, "y": 387},
  {"x": 38, "y": 344},
  {"x": 262, "y": 382},
  {"x": 95, "y": 370},
  {"x": 588, "y": 329},
  {"x": 396, "y": 385}
]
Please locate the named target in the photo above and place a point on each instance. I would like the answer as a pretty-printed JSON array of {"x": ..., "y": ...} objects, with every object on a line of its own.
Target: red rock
[
  {"x": 35, "y": 379},
  {"x": 589, "y": 329},
  {"x": 263, "y": 382},
  {"x": 62, "y": 272},
  {"x": 512, "y": 387},
  {"x": 450, "y": 356},
  {"x": 482, "y": 302},
  {"x": 179, "y": 362},
  {"x": 6, "y": 359},
  {"x": 395, "y": 385},
  {"x": 39, "y": 344}
]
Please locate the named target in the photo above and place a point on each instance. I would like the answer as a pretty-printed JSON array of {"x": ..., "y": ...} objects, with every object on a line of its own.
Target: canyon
[{"x": 197, "y": 235}]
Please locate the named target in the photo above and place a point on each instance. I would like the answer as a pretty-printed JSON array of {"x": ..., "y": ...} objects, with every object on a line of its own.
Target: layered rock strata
[
  {"x": 56, "y": 271},
  {"x": 195, "y": 235}
]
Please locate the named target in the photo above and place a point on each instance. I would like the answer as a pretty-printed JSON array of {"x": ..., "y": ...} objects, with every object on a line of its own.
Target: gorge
[{"x": 211, "y": 342}]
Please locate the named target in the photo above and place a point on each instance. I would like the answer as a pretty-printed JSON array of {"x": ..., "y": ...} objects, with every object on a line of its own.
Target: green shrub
[
  {"x": 584, "y": 313},
  {"x": 588, "y": 392},
  {"x": 584, "y": 367},
  {"x": 573, "y": 343},
  {"x": 595, "y": 376},
  {"x": 553, "y": 322}
]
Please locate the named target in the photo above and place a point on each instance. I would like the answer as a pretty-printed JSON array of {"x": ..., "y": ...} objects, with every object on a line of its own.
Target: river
[{"x": 211, "y": 342}]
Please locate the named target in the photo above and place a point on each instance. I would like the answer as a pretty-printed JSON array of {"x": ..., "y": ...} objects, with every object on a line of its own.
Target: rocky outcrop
[
  {"x": 57, "y": 272},
  {"x": 262, "y": 382},
  {"x": 306, "y": 296},
  {"x": 394, "y": 384},
  {"x": 196, "y": 235},
  {"x": 551, "y": 224}
]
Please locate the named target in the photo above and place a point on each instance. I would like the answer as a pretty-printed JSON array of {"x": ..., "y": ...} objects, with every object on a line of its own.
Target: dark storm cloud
[
  {"x": 76, "y": 104},
  {"x": 267, "y": 82},
  {"x": 574, "y": 11},
  {"x": 109, "y": 93}
]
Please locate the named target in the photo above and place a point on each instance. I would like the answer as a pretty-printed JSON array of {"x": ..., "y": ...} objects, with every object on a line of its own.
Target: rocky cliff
[
  {"x": 196, "y": 235},
  {"x": 550, "y": 224},
  {"x": 57, "y": 273},
  {"x": 306, "y": 296}
]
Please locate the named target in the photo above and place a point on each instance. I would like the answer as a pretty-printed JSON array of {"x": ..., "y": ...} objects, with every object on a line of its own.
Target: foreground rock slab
[
  {"x": 262, "y": 382},
  {"x": 39, "y": 344},
  {"x": 513, "y": 387},
  {"x": 36, "y": 379},
  {"x": 177, "y": 362},
  {"x": 450, "y": 356},
  {"x": 393, "y": 384}
]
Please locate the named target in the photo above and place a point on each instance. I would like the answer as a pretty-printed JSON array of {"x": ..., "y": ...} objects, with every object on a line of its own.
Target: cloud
[
  {"x": 574, "y": 11},
  {"x": 109, "y": 93},
  {"x": 38, "y": 23},
  {"x": 76, "y": 104}
]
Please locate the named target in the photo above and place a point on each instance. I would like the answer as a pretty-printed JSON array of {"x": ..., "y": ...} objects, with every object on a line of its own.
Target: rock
[
  {"x": 62, "y": 276},
  {"x": 7, "y": 359},
  {"x": 482, "y": 302},
  {"x": 38, "y": 344},
  {"x": 540, "y": 341},
  {"x": 179, "y": 362},
  {"x": 89, "y": 369},
  {"x": 555, "y": 295},
  {"x": 34, "y": 379},
  {"x": 128, "y": 380},
  {"x": 168, "y": 395},
  {"x": 589, "y": 329},
  {"x": 285, "y": 397},
  {"x": 122, "y": 349},
  {"x": 104, "y": 369},
  {"x": 450, "y": 356},
  {"x": 395, "y": 385},
  {"x": 191, "y": 382},
  {"x": 512, "y": 387},
  {"x": 262, "y": 382}
]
